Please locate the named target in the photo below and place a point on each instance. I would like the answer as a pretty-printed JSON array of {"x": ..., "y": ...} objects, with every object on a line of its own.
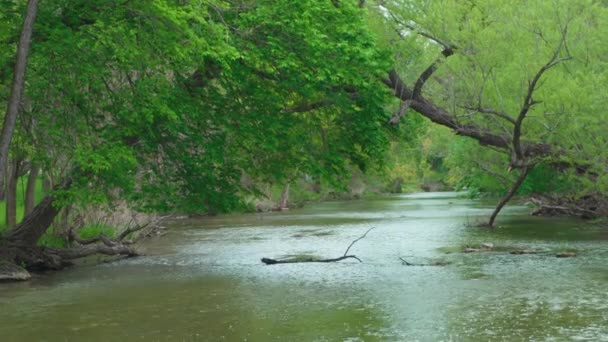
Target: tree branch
[
  {"x": 403, "y": 107},
  {"x": 361, "y": 237},
  {"x": 445, "y": 45},
  {"x": 269, "y": 261},
  {"x": 490, "y": 111},
  {"x": 428, "y": 72},
  {"x": 442, "y": 117},
  {"x": 529, "y": 101}
]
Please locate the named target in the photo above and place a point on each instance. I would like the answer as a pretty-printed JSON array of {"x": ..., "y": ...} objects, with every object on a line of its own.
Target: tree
[
  {"x": 168, "y": 104},
  {"x": 497, "y": 73}
]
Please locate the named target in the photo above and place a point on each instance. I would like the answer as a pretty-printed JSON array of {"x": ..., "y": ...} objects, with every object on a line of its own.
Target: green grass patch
[
  {"x": 51, "y": 240},
  {"x": 95, "y": 230}
]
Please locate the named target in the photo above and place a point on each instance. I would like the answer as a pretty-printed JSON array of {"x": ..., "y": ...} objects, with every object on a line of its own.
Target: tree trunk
[
  {"x": 17, "y": 87},
  {"x": 34, "y": 225},
  {"x": 12, "y": 177},
  {"x": 30, "y": 190},
  {"x": 62, "y": 225},
  {"x": 47, "y": 182},
  {"x": 282, "y": 204},
  {"x": 510, "y": 194}
]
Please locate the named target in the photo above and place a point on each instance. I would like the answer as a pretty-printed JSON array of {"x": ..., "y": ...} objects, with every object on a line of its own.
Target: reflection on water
[{"x": 204, "y": 280}]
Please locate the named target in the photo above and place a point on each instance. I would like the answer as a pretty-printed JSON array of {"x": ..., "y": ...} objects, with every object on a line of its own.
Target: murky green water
[{"x": 204, "y": 281}]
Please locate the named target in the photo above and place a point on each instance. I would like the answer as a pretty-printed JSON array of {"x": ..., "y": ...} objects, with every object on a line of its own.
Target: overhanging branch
[{"x": 529, "y": 101}]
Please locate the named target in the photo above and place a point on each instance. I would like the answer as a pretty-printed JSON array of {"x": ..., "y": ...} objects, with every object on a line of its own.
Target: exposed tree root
[
  {"x": 17, "y": 257},
  {"x": 269, "y": 261}
]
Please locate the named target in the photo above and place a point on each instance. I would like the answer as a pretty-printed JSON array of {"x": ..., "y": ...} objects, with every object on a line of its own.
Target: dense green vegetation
[{"x": 207, "y": 107}]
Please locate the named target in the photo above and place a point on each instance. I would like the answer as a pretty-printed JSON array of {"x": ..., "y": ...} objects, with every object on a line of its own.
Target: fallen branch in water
[
  {"x": 269, "y": 261},
  {"x": 434, "y": 263}
]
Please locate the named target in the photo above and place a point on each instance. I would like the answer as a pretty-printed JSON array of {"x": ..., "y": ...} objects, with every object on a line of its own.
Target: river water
[{"x": 204, "y": 280}]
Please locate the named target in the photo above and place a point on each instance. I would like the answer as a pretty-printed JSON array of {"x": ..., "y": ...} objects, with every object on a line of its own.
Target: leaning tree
[{"x": 524, "y": 79}]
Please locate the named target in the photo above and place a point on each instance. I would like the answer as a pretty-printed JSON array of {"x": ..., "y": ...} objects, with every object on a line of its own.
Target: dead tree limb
[{"x": 269, "y": 261}]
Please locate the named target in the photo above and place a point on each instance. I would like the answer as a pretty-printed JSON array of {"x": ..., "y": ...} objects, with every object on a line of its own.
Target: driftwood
[{"x": 269, "y": 261}]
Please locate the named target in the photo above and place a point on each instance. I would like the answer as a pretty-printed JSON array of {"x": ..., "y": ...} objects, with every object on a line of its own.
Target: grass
[{"x": 94, "y": 230}]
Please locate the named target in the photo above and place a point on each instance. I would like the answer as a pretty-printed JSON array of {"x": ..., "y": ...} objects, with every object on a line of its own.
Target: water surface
[{"x": 204, "y": 280}]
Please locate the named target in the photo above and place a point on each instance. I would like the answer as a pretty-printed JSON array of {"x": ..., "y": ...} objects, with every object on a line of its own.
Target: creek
[{"x": 204, "y": 280}]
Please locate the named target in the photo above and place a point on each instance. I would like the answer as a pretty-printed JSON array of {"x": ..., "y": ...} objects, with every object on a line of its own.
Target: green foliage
[
  {"x": 95, "y": 230},
  {"x": 53, "y": 241},
  {"x": 500, "y": 48},
  {"x": 170, "y": 104},
  {"x": 21, "y": 184}
]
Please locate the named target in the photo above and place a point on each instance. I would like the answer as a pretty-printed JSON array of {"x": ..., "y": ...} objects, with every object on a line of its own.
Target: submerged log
[
  {"x": 432, "y": 263},
  {"x": 269, "y": 261}
]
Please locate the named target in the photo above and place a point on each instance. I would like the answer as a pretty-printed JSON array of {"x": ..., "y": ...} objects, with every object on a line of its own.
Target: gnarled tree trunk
[{"x": 34, "y": 225}]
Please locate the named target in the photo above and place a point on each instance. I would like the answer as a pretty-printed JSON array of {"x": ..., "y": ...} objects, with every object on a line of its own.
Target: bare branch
[
  {"x": 502, "y": 179},
  {"x": 139, "y": 227},
  {"x": 403, "y": 107},
  {"x": 361, "y": 237},
  {"x": 420, "y": 32},
  {"x": 529, "y": 101},
  {"x": 428, "y": 72},
  {"x": 269, "y": 261},
  {"x": 447, "y": 51},
  {"x": 490, "y": 111}
]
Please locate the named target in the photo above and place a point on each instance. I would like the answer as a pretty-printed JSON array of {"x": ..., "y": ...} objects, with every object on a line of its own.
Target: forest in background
[{"x": 118, "y": 111}]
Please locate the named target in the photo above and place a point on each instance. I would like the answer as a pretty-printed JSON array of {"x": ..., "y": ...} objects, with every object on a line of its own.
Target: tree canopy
[{"x": 173, "y": 102}]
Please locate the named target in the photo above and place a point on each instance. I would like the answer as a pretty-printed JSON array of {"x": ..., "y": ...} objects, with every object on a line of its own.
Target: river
[{"x": 204, "y": 281}]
